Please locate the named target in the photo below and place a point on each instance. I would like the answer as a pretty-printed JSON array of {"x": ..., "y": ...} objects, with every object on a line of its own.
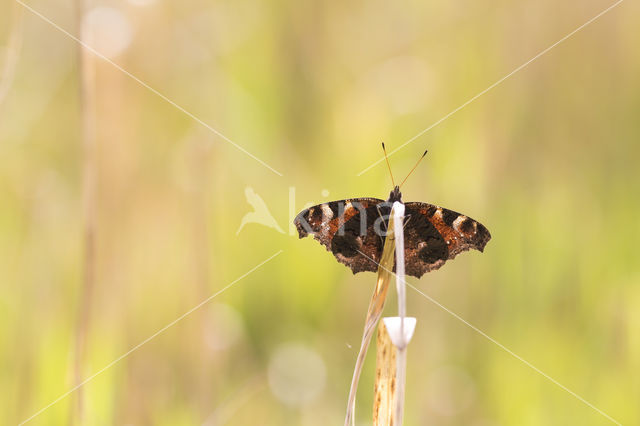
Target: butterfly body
[{"x": 354, "y": 231}]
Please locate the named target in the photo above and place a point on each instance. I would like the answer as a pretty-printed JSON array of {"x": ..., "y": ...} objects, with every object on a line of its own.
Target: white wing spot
[
  {"x": 326, "y": 212},
  {"x": 458, "y": 222}
]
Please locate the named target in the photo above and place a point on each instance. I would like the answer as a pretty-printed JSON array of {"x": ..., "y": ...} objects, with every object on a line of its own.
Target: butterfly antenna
[
  {"x": 414, "y": 167},
  {"x": 388, "y": 165}
]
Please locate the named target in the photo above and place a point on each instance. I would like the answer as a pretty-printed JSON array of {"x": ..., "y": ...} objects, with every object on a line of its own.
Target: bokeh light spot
[
  {"x": 107, "y": 30},
  {"x": 296, "y": 374},
  {"x": 142, "y": 3}
]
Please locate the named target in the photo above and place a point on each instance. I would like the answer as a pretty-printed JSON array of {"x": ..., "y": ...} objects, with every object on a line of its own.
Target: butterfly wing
[
  {"x": 434, "y": 235},
  {"x": 353, "y": 230},
  {"x": 347, "y": 228}
]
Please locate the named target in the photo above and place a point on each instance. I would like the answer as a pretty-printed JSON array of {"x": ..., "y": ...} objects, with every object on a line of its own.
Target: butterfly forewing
[{"x": 349, "y": 229}]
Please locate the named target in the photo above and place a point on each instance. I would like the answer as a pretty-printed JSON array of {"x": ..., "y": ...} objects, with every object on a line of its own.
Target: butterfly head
[{"x": 395, "y": 195}]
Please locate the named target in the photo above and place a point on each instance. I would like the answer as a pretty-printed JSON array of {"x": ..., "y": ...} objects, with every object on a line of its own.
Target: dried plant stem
[
  {"x": 385, "y": 385},
  {"x": 393, "y": 337},
  {"x": 374, "y": 312},
  {"x": 398, "y": 219},
  {"x": 401, "y": 375},
  {"x": 200, "y": 160},
  {"x": 86, "y": 74},
  {"x": 12, "y": 52}
]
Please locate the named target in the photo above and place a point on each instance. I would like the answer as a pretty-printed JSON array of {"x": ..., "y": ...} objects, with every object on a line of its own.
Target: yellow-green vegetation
[{"x": 547, "y": 160}]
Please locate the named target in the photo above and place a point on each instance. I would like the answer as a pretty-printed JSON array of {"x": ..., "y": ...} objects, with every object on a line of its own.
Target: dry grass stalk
[
  {"x": 374, "y": 312},
  {"x": 12, "y": 51},
  {"x": 385, "y": 385},
  {"x": 398, "y": 216},
  {"x": 86, "y": 72},
  {"x": 393, "y": 338}
]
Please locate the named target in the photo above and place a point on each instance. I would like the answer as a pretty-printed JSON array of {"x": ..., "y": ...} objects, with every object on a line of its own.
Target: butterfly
[{"x": 354, "y": 231}]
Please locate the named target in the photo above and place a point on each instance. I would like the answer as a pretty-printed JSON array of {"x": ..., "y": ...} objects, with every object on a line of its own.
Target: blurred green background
[{"x": 547, "y": 160}]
